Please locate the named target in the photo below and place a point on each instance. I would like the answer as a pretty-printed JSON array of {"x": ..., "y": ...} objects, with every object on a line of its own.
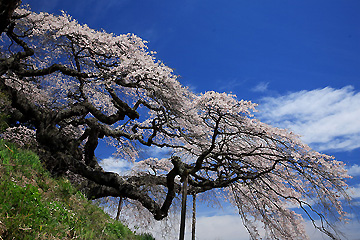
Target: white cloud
[
  {"x": 226, "y": 227},
  {"x": 229, "y": 227},
  {"x": 155, "y": 152},
  {"x": 354, "y": 170},
  {"x": 354, "y": 191},
  {"x": 116, "y": 165},
  {"x": 349, "y": 230},
  {"x": 230, "y": 84},
  {"x": 326, "y": 118},
  {"x": 261, "y": 87}
]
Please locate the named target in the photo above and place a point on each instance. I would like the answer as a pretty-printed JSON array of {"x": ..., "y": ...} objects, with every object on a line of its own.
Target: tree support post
[
  {"x": 193, "y": 218},
  {"x": 119, "y": 209},
  {"x": 183, "y": 207}
]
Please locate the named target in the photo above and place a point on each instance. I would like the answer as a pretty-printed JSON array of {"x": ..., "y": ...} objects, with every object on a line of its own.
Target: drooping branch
[
  {"x": 205, "y": 153},
  {"x": 129, "y": 187}
]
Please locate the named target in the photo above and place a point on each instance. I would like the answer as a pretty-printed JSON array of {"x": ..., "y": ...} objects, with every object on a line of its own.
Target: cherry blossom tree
[{"x": 73, "y": 86}]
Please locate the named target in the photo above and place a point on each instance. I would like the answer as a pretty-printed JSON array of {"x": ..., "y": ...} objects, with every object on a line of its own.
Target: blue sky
[{"x": 300, "y": 60}]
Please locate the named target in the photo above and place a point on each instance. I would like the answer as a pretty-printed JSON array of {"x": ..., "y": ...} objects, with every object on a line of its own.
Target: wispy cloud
[
  {"x": 349, "y": 230},
  {"x": 230, "y": 84},
  {"x": 354, "y": 170},
  {"x": 326, "y": 118},
  {"x": 261, "y": 87},
  {"x": 230, "y": 227},
  {"x": 227, "y": 227},
  {"x": 155, "y": 152},
  {"x": 116, "y": 165},
  {"x": 150, "y": 34},
  {"x": 354, "y": 191}
]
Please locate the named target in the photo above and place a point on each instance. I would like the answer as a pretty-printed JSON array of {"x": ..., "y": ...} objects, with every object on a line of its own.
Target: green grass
[{"x": 35, "y": 206}]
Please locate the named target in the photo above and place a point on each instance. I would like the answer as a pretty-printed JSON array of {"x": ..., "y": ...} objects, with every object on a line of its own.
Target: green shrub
[{"x": 146, "y": 236}]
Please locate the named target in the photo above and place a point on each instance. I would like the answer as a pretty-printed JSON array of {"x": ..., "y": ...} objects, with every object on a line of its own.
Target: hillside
[{"x": 33, "y": 205}]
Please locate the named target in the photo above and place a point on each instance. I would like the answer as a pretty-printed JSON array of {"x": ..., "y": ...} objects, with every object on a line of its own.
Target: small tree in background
[{"x": 75, "y": 85}]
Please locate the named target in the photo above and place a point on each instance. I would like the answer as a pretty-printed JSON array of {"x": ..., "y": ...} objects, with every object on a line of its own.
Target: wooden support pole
[
  {"x": 193, "y": 218},
  {"x": 119, "y": 209},
  {"x": 183, "y": 208}
]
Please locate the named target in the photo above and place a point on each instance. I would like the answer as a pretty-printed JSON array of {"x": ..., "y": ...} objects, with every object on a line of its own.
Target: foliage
[
  {"x": 75, "y": 86},
  {"x": 35, "y": 206}
]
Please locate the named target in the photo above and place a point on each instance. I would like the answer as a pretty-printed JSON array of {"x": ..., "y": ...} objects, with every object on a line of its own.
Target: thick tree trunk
[{"x": 7, "y": 8}]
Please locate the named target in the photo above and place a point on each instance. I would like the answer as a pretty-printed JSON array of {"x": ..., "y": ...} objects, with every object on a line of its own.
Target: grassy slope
[{"x": 35, "y": 206}]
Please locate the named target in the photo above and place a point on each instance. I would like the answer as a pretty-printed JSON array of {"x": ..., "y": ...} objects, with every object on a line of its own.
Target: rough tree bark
[{"x": 7, "y": 8}]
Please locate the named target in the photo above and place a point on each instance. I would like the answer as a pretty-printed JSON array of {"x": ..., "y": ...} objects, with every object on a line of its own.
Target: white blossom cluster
[{"x": 20, "y": 135}]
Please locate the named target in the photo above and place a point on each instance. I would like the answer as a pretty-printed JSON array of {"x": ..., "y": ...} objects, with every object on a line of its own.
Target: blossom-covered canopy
[{"x": 72, "y": 85}]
